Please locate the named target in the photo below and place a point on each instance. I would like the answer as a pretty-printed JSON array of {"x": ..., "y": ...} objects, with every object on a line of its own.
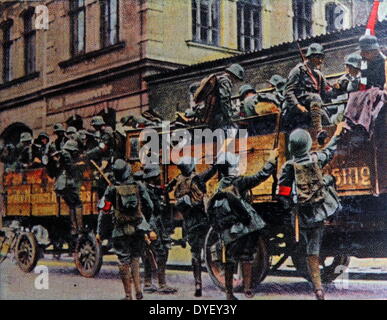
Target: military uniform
[
  {"x": 68, "y": 184},
  {"x": 222, "y": 118},
  {"x": 157, "y": 218},
  {"x": 129, "y": 224},
  {"x": 372, "y": 70},
  {"x": 59, "y": 142},
  {"x": 24, "y": 151},
  {"x": 316, "y": 203},
  {"x": 189, "y": 192},
  {"x": 232, "y": 215},
  {"x": 301, "y": 89},
  {"x": 39, "y": 149}
]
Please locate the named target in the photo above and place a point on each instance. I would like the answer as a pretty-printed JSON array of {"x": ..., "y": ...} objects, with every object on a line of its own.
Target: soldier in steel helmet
[
  {"x": 303, "y": 188},
  {"x": 68, "y": 183},
  {"x": 189, "y": 190},
  {"x": 126, "y": 200},
  {"x": 350, "y": 81},
  {"x": 233, "y": 217},
  {"x": 305, "y": 92},
  {"x": 40, "y": 148},
  {"x": 158, "y": 218},
  {"x": 24, "y": 151},
  {"x": 373, "y": 64}
]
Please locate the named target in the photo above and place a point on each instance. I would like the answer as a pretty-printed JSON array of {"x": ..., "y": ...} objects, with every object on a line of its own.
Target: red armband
[
  {"x": 107, "y": 206},
  {"x": 284, "y": 191}
]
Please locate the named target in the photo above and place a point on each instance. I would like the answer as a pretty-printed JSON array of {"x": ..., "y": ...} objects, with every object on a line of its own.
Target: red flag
[{"x": 373, "y": 18}]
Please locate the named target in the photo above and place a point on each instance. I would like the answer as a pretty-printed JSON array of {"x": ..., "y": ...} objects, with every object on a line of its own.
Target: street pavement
[{"x": 367, "y": 279}]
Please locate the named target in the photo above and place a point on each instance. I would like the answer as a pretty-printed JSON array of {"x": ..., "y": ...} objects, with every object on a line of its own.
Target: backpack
[
  {"x": 316, "y": 194},
  {"x": 309, "y": 183},
  {"x": 187, "y": 192},
  {"x": 226, "y": 209},
  {"x": 207, "y": 93},
  {"x": 127, "y": 209}
]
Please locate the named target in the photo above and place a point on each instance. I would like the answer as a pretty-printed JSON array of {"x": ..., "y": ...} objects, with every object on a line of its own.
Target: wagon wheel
[
  {"x": 88, "y": 256},
  {"x": 27, "y": 252},
  {"x": 331, "y": 267},
  {"x": 215, "y": 267}
]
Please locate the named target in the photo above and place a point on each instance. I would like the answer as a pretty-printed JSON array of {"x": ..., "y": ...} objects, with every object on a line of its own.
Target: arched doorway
[{"x": 12, "y": 133}]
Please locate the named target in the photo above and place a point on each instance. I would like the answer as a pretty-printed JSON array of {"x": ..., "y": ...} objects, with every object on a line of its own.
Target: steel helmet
[
  {"x": 277, "y": 81},
  {"x": 354, "y": 60},
  {"x": 186, "y": 165},
  {"x": 121, "y": 169},
  {"x": 151, "y": 171},
  {"x": 58, "y": 127},
  {"x": 71, "y": 145},
  {"x": 25, "y": 137},
  {"x": 315, "y": 49},
  {"x": 368, "y": 42},
  {"x": 300, "y": 142},
  {"x": 43, "y": 135},
  {"x": 246, "y": 88},
  {"x": 237, "y": 70},
  {"x": 71, "y": 130},
  {"x": 97, "y": 121}
]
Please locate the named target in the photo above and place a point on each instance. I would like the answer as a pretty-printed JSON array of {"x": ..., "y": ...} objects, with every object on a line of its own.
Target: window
[
  {"x": 205, "y": 21},
  {"x": 334, "y": 16},
  {"x": 109, "y": 22},
  {"x": 29, "y": 42},
  {"x": 302, "y": 20},
  {"x": 78, "y": 26},
  {"x": 249, "y": 25},
  {"x": 7, "y": 50}
]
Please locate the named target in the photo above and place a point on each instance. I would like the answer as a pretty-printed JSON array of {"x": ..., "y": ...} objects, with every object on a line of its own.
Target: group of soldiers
[{"x": 134, "y": 211}]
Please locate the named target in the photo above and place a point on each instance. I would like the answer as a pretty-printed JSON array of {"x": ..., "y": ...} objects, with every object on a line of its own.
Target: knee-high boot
[
  {"x": 163, "y": 288},
  {"x": 148, "y": 287},
  {"x": 315, "y": 114},
  {"x": 247, "y": 270},
  {"x": 197, "y": 273},
  {"x": 135, "y": 267},
  {"x": 79, "y": 219},
  {"x": 313, "y": 264},
  {"x": 126, "y": 278},
  {"x": 229, "y": 277}
]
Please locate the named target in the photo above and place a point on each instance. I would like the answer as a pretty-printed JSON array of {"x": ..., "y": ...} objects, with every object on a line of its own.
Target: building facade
[{"x": 65, "y": 60}]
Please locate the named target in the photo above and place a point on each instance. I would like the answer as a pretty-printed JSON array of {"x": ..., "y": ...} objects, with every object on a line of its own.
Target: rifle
[{"x": 148, "y": 250}]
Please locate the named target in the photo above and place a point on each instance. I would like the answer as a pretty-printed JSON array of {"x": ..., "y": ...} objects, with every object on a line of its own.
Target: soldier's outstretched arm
[
  {"x": 328, "y": 152},
  {"x": 249, "y": 182}
]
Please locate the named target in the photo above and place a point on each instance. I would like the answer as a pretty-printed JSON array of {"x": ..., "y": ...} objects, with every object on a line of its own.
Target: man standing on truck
[
  {"x": 68, "y": 183},
  {"x": 129, "y": 225},
  {"x": 312, "y": 196},
  {"x": 305, "y": 91},
  {"x": 189, "y": 190},
  {"x": 216, "y": 92},
  {"x": 373, "y": 64},
  {"x": 234, "y": 218},
  {"x": 158, "y": 220}
]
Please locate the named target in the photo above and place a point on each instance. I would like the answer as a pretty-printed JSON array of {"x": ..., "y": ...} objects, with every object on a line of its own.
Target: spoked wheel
[
  {"x": 88, "y": 256},
  {"x": 330, "y": 267},
  {"x": 27, "y": 252},
  {"x": 215, "y": 267}
]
